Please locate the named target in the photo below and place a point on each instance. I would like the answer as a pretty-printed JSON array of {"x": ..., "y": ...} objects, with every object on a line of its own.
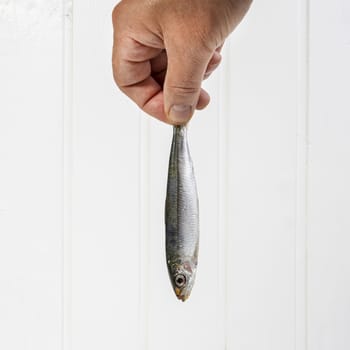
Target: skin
[{"x": 164, "y": 49}]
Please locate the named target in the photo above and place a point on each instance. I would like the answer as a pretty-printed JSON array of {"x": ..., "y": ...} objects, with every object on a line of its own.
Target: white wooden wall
[{"x": 83, "y": 176}]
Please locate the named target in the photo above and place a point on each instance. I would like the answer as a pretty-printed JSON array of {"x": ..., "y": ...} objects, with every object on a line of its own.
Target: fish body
[{"x": 181, "y": 216}]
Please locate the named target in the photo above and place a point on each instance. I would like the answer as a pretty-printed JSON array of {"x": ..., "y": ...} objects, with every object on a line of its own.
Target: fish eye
[{"x": 180, "y": 280}]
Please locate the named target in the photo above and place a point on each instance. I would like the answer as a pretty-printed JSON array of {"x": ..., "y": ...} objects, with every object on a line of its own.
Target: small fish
[{"x": 181, "y": 216}]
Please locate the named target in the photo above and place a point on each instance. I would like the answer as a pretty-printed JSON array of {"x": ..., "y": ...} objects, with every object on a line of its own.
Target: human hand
[{"x": 163, "y": 49}]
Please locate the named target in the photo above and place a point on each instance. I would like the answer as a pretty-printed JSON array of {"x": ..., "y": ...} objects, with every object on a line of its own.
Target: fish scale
[{"x": 181, "y": 216}]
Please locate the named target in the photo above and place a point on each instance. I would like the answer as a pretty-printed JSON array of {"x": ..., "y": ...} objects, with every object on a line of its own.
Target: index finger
[{"x": 132, "y": 73}]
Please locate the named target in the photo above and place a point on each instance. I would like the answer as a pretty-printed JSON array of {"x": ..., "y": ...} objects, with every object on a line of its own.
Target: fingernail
[{"x": 180, "y": 113}]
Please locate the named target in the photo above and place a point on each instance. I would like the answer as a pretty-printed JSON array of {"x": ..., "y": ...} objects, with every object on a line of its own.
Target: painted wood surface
[
  {"x": 31, "y": 175},
  {"x": 262, "y": 144},
  {"x": 328, "y": 268},
  {"x": 83, "y": 180}
]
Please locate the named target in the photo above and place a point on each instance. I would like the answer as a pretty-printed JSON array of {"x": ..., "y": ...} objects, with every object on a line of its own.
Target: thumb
[{"x": 184, "y": 76}]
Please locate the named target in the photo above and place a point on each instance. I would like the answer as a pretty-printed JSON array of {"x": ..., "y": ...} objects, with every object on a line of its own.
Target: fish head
[{"x": 182, "y": 275}]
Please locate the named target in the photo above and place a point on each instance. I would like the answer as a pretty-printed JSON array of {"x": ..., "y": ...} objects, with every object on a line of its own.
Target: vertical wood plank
[
  {"x": 262, "y": 179},
  {"x": 329, "y": 173},
  {"x": 144, "y": 231},
  {"x": 31, "y": 174},
  {"x": 67, "y": 172},
  {"x": 223, "y": 194},
  {"x": 105, "y": 223}
]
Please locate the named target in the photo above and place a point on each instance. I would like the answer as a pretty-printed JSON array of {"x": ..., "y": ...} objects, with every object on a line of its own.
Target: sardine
[{"x": 181, "y": 216}]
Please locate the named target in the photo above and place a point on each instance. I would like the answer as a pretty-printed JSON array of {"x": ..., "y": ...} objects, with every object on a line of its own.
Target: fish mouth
[{"x": 182, "y": 297}]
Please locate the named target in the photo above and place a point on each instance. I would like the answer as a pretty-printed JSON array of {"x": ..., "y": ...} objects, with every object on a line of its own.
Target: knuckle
[
  {"x": 184, "y": 89},
  {"x": 120, "y": 81},
  {"x": 117, "y": 80},
  {"x": 115, "y": 12},
  {"x": 115, "y": 68},
  {"x": 118, "y": 77}
]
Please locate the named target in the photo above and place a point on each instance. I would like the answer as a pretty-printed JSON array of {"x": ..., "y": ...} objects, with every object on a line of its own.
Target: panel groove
[
  {"x": 301, "y": 274},
  {"x": 67, "y": 173}
]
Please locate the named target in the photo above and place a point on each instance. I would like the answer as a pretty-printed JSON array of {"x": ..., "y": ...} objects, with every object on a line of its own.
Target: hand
[{"x": 163, "y": 49}]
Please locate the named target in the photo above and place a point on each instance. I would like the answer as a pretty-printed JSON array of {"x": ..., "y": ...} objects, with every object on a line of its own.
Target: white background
[{"x": 83, "y": 175}]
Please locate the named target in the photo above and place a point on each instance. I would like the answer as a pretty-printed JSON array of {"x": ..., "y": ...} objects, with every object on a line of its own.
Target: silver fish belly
[{"x": 181, "y": 216}]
